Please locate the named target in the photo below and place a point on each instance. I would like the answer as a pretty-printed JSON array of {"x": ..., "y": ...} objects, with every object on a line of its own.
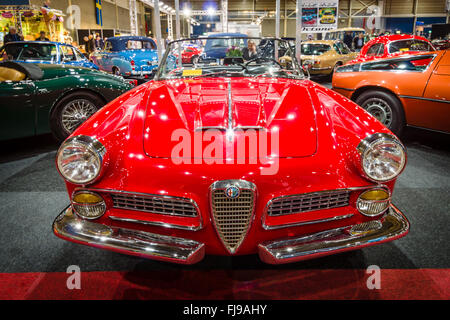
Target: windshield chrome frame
[{"x": 157, "y": 76}]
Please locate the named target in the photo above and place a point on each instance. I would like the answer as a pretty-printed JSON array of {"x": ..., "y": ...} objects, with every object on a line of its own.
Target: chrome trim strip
[
  {"x": 249, "y": 127},
  {"x": 341, "y": 88},
  {"x": 392, "y": 226},
  {"x": 143, "y": 244},
  {"x": 422, "y": 98},
  {"x": 399, "y": 58},
  {"x": 211, "y": 127},
  {"x": 158, "y": 224},
  {"x": 297, "y": 224},
  {"x": 230, "y": 111}
]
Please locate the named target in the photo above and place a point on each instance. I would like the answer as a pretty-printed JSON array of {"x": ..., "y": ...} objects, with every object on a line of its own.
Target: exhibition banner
[{"x": 319, "y": 15}]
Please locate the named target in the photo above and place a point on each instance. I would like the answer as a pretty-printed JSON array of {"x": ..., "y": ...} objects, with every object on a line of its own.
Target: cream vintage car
[{"x": 322, "y": 57}]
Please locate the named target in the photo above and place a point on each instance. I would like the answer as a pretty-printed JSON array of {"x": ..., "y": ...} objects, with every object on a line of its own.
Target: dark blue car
[
  {"x": 216, "y": 47},
  {"x": 127, "y": 56},
  {"x": 44, "y": 52}
]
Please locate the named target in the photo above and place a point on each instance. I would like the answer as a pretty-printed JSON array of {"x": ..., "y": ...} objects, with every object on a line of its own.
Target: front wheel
[
  {"x": 72, "y": 111},
  {"x": 194, "y": 60},
  {"x": 385, "y": 107}
]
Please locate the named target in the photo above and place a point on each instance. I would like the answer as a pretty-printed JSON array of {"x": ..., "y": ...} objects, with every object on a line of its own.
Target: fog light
[
  {"x": 373, "y": 202},
  {"x": 88, "y": 205}
]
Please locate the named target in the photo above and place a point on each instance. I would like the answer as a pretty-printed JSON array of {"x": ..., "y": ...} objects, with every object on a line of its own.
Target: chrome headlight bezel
[
  {"x": 93, "y": 146},
  {"x": 367, "y": 145}
]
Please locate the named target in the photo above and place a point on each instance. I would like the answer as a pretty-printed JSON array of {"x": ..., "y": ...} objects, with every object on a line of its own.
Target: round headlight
[
  {"x": 383, "y": 157},
  {"x": 80, "y": 159}
]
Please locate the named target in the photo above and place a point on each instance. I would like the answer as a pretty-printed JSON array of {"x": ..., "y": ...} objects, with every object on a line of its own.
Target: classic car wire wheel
[
  {"x": 75, "y": 113},
  {"x": 380, "y": 109}
]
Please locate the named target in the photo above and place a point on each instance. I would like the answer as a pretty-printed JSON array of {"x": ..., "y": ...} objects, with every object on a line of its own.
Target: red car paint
[
  {"x": 386, "y": 41},
  {"x": 319, "y": 130},
  {"x": 189, "y": 53}
]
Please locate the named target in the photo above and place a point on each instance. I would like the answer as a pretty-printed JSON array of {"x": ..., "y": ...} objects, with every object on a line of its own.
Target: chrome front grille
[
  {"x": 174, "y": 206},
  {"x": 232, "y": 217},
  {"x": 308, "y": 202}
]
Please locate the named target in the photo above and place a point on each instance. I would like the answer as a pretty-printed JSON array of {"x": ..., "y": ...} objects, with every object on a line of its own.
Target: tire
[
  {"x": 72, "y": 111},
  {"x": 194, "y": 59},
  {"x": 385, "y": 107}
]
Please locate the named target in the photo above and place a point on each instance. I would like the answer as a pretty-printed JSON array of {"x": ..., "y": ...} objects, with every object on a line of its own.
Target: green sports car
[{"x": 41, "y": 98}]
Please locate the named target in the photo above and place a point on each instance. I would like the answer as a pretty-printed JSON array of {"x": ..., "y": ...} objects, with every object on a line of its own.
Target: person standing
[
  {"x": 358, "y": 42},
  {"x": 251, "y": 52},
  {"x": 348, "y": 39},
  {"x": 42, "y": 37},
  {"x": 12, "y": 36},
  {"x": 99, "y": 43},
  {"x": 90, "y": 44}
]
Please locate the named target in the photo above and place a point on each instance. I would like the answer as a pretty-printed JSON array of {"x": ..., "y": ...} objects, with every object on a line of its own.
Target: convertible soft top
[{"x": 32, "y": 71}]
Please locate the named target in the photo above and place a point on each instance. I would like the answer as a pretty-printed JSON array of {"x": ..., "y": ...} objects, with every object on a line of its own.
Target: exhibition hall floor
[{"x": 34, "y": 262}]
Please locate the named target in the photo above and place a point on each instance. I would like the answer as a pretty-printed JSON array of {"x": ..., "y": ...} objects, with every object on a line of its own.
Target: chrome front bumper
[
  {"x": 143, "y": 244},
  {"x": 394, "y": 225}
]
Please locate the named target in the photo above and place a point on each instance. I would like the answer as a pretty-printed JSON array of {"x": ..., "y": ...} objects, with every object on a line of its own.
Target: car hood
[{"x": 280, "y": 108}]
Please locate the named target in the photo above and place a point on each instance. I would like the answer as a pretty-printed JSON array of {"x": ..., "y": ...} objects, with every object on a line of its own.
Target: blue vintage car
[
  {"x": 127, "y": 56},
  {"x": 44, "y": 52},
  {"x": 217, "y": 44}
]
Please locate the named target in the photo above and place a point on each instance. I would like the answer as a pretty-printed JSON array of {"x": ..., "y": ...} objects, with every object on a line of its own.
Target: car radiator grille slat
[
  {"x": 308, "y": 202},
  {"x": 232, "y": 217},
  {"x": 154, "y": 204}
]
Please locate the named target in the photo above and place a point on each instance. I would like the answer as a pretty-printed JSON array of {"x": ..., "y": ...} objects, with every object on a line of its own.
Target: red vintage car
[
  {"x": 231, "y": 159},
  {"x": 392, "y": 46},
  {"x": 191, "y": 54}
]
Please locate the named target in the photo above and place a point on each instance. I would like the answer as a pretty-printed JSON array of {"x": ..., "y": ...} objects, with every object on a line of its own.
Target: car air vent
[
  {"x": 308, "y": 202},
  {"x": 175, "y": 206}
]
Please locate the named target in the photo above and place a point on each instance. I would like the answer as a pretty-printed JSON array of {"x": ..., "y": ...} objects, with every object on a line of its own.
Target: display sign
[{"x": 319, "y": 15}]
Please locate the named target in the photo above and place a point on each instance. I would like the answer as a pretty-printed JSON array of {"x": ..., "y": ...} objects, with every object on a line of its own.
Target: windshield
[
  {"x": 410, "y": 45},
  {"x": 314, "y": 49},
  {"x": 29, "y": 52},
  {"x": 229, "y": 57}
]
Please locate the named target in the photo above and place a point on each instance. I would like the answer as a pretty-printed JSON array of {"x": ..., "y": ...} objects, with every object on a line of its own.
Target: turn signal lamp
[
  {"x": 373, "y": 202},
  {"x": 88, "y": 205}
]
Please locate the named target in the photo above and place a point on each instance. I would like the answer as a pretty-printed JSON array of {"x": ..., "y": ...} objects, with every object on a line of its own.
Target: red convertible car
[
  {"x": 392, "y": 46},
  {"x": 231, "y": 159}
]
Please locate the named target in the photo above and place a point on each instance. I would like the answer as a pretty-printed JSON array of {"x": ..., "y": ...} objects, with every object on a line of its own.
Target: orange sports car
[{"x": 409, "y": 90}]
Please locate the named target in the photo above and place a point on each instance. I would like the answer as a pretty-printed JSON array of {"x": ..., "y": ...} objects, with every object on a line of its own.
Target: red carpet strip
[{"x": 404, "y": 284}]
